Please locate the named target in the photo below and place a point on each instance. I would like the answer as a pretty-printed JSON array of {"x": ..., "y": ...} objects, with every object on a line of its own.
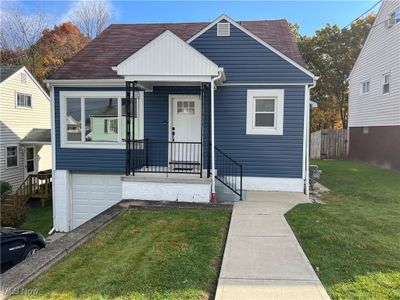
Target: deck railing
[{"x": 34, "y": 186}]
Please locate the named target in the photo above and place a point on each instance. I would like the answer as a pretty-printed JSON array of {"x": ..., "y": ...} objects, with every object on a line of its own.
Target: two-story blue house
[{"x": 179, "y": 112}]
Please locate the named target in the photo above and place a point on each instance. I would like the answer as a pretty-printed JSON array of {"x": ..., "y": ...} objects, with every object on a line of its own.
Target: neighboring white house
[
  {"x": 374, "y": 99},
  {"x": 25, "y": 145}
]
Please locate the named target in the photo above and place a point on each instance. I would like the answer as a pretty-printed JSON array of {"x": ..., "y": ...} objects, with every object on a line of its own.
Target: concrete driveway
[{"x": 262, "y": 258}]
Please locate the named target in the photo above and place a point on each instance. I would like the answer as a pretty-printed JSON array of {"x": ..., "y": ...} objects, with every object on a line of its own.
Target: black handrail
[
  {"x": 229, "y": 172},
  {"x": 153, "y": 156}
]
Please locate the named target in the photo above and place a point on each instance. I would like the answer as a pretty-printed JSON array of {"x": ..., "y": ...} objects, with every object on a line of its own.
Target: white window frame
[
  {"x": 22, "y": 106},
  {"x": 383, "y": 83},
  {"x": 278, "y": 96},
  {"x": 224, "y": 24},
  {"x": 362, "y": 86},
  {"x": 9, "y": 146},
  {"x": 109, "y": 125},
  {"x": 96, "y": 94}
]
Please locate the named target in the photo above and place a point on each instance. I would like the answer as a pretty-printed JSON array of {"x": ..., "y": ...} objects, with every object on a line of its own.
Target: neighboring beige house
[
  {"x": 374, "y": 99},
  {"x": 25, "y": 139}
]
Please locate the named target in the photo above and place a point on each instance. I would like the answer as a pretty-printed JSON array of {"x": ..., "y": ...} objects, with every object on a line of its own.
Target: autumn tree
[
  {"x": 331, "y": 54},
  {"x": 58, "y": 45},
  {"x": 19, "y": 33}
]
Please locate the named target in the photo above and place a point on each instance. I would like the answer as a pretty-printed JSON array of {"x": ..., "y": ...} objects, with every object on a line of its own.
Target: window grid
[
  {"x": 385, "y": 83},
  {"x": 24, "y": 100},
  {"x": 264, "y": 113},
  {"x": 12, "y": 156}
]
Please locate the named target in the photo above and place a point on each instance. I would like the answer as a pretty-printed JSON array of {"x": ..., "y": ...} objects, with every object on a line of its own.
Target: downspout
[
  {"x": 213, "y": 194},
  {"x": 307, "y": 154}
]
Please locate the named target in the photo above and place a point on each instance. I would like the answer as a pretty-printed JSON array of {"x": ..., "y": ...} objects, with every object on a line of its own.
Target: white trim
[
  {"x": 278, "y": 96},
  {"x": 86, "y": 82},
  {"x": 273, "y": 184},
  {"x": 95, "y": 94},
  {"x": 262, "y": 84},
  {"x": 168, "y": 78},
  {"x": 20, "y": 106},
  {"x": 304, "y": 135},
  {"x": 53, "y": 151},
  {"x": 18, "y": 162},
  {"x": 234, "y": 23}
]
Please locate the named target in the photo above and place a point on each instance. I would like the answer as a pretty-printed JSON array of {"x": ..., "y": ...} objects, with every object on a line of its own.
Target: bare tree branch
[
  {"x": 19, "y": 29},
  {"x": 92, "y": 16}
]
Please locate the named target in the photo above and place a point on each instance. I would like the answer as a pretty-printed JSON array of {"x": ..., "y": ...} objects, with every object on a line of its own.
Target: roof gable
[
  {"x": 18, "y": 70},
  {"x": 167, "y": 55},
  {"x": 255, "y": 37},
  {"x": 119, "y": 41}
]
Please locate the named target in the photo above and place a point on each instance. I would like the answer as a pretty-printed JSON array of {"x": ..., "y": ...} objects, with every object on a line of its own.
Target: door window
[
  {"x": 185, "y": 107},
  {"x": 30, "y": 160}
]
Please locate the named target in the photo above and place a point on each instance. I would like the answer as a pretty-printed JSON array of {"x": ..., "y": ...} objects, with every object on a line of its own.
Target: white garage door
[{"x": 92, "y": 194}]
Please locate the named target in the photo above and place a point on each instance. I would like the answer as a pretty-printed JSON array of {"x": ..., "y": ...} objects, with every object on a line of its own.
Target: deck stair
[{"x": 35, "y": 186}]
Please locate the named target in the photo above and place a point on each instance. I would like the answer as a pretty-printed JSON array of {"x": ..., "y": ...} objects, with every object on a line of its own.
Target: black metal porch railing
[
  {"x": 150, "y": 156},
  {"x": 229, "y": 172}
]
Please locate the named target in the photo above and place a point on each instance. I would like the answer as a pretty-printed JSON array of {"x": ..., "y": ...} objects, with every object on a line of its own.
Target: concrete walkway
[{"x": 262, "y": 258}]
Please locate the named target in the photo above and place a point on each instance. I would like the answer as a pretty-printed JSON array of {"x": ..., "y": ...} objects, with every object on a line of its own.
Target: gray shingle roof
[
  {"x": 37, "y": 135},
  {"x": 119, "y": 41},
  {"x": 7, "y": 71}
]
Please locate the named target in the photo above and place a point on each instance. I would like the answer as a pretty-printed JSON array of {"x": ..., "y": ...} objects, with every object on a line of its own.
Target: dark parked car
[{"x": 18, "y": 244}]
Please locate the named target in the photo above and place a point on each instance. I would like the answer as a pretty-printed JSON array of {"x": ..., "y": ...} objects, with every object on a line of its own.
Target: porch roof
[
  {"x": 167, "y": 58},
  {"x": 37, "y": 136}
]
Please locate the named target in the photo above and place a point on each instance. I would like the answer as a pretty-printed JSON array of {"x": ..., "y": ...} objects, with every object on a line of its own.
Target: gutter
[
  {"x": 307, "y": 154},
  {"x": 213, "y": 193}
]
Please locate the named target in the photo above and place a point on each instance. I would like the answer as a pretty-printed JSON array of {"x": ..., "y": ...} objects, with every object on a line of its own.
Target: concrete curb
[{"x": 29, "y": 269}]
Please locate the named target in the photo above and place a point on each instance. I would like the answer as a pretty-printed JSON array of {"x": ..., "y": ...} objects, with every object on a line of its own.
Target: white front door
[
  {"x": 185, "y": 131},
  {"x": 30, "y": 161}
]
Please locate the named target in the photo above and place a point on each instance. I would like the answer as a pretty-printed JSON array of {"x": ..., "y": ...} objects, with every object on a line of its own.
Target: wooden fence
[{"x": 328, "y": 143}]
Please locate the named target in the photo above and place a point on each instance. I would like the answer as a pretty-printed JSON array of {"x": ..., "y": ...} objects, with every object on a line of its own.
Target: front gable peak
[{"x": 167, "y": 55}]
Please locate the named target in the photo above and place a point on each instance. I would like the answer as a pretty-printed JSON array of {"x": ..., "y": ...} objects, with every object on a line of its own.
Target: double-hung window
[
  {"x": 364, "y": 87},
  {"x": 23, "y": 100},
  {"x": 97, "y": 119},
  {"x": 386, "y": 83},
  {"x": 265, "y": 112},
  {"x": 12, "y": 156}
]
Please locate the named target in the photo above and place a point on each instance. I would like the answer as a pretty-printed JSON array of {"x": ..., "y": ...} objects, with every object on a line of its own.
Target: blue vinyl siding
[
  {"x": 86, "y": 160},
  {"x": 261, "y": 155},
  {"x": 246, "y": 60},
  {"x": 156, "y": 118}
]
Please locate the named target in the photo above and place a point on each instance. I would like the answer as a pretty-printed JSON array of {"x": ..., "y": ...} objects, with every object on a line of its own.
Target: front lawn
[
  {"x": 144, "y": 254},
  {"x": 39, "y": 219},
  {"x": 353, "y": 241}
]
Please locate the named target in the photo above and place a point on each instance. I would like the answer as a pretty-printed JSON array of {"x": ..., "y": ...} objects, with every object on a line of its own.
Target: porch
[{"x": 178, "y": 134}]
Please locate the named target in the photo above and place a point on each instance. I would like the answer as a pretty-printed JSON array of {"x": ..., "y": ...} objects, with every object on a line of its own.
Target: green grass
[
  {"x": 39, "y": 219},
  {"x": 353, "y": 241},
  {"x": 144, "y": 254}
]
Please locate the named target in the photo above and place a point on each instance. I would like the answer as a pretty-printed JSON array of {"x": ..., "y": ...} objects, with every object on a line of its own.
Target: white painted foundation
[
  {"x": 166, "y": 189},
  {"x": 61, "y": 200},
  {"x": 273, "y": 184}
]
